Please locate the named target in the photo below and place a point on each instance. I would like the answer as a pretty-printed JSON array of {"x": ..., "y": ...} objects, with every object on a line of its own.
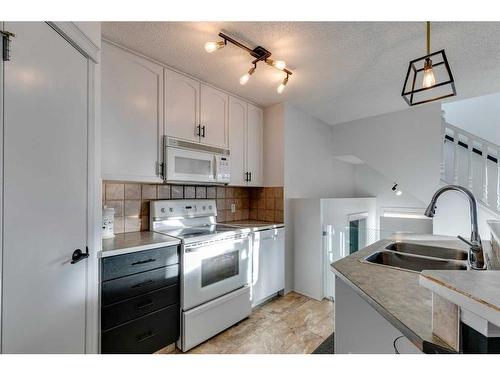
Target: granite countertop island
[
  {"x": 394, "y": 293},
  {"x": 124, "y": 243}
]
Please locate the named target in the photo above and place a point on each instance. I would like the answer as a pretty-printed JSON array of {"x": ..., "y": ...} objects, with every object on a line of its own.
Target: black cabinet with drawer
[{"x": 140, "y": 299}]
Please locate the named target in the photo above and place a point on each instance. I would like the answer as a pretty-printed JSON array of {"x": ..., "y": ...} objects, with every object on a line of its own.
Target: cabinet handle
[
  {"x": 140, "y": 285},
  {"x": 144, "y": 305},
  {"x": 198, "y": 130},
  {"x": 143, "y": 262},
  {"x": 246, "y": 176},
  {"x": 250, "y": 178},
  {"x": 146, "y": 336},
  {"x": 203, "y": 129}
]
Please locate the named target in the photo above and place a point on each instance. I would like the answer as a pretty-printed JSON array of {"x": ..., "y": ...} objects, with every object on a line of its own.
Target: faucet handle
[
  {"x": 474, "y": 246},
  {"x": 466, "y": 241}
]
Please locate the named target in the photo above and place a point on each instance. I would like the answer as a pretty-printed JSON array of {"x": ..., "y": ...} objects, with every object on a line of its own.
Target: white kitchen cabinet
[
  {"x": 214, "y": 116},
  {"x": 132, "y": 116},
  {"x": 255, "y": 133},
  {"x": 182, "y": 106},
  {"x": 360, "y": 329},
  {"x": 268, "y": 265},
  {"x": 245, "y": 143},
  {"x": 237, "y": 140}
]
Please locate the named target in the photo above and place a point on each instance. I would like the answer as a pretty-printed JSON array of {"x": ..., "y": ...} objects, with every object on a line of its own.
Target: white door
[
  {"x": 182, "y": 95},
  {"x": 237, "y": 140},
  {"x": 132, "y": 116},
  {"x": 255, "y": 134},
  {"x": 213, "y": 116},
  {"x": 45, "y": 193}
]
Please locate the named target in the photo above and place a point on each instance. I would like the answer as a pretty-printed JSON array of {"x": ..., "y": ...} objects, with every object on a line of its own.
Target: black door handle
[
  {"x": 203, "y": 131},
  {"x": 79, "y": 255}
]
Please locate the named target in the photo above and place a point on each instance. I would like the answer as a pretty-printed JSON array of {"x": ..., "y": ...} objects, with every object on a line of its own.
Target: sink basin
[
  {"x": 428, "y": 251},
  {"x": 413, "y": 262}
]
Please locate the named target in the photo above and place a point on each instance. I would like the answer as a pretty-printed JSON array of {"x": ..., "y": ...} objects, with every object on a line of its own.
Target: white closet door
[
  {"x": 255, "y": 150},
  {"x": 213, "y": 116},
  {"x": 45, "y": 193},
  {"x": 182, "y": 96},
  {"x": 237, "y": 140}
]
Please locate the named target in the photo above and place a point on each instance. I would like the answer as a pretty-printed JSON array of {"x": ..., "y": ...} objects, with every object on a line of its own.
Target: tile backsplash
[{"x": 131, "y": 202}]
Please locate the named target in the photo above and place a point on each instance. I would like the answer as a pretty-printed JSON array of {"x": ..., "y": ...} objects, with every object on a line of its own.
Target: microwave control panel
[{"x": 223, "y": 168}]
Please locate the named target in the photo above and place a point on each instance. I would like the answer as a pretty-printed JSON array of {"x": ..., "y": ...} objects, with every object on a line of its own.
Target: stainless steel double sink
[{"x": 416, "y": 257}]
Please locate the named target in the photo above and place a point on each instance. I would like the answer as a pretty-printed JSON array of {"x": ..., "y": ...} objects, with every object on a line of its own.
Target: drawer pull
[
  {"x": 144, "y": 305},
  {"x": 140, "y": 285},
  {"x": 143, "y": 262},
  {"x": 146, "y": 336}
]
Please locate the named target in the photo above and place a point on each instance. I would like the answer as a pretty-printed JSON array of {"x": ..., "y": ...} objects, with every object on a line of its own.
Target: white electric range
[{"x": 215, "y": 267}]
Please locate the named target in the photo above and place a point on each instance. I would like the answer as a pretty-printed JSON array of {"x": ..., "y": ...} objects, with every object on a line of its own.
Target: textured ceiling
[{"x": 342, "y": 70}]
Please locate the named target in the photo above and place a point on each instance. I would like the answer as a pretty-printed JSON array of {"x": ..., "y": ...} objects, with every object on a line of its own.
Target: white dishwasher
[{"x": 268, "y": 264}]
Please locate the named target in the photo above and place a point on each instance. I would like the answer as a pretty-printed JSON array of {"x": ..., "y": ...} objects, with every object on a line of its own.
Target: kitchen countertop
[
  {"x": 476, "y": 291},
  {"x": 396, "y": 294},
  {"x": 255, "y": 225},
  {"x": 124, "y": 243}
]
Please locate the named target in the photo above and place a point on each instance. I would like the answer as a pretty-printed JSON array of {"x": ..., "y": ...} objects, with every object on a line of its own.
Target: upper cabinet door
[
  {"x": 181, "y": 106},
  {"x": 255, "y": 133},
  {"x": 213, "y": 116},
  {"x": 132, "y": 116},
  {"x": 237, "y": 140}
]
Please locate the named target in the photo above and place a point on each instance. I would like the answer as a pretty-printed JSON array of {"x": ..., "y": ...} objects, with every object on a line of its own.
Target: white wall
[
  {"x": 403, "y": 146},
  {"x": 370, "y": 183},
  {"x": 310, "y": 170},
  {"x": 274, "y": 145},
  {"x": 479, "y": 116},
  {"x": 452, "y": 216}
]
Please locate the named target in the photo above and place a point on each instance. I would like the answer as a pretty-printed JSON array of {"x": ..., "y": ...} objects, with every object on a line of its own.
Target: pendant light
[{"x": 429, "y": 77}]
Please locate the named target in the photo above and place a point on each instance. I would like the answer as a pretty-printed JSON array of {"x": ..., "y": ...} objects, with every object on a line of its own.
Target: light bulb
[
  {"x": 281, "y": 87},
  {"x": 279, "y": 64},
  {"x": 429, "y": 79},
  {"x": 213, "y": 46},
  {"x": 399, "y": 192},
  {"x": 244, "y": 78}
]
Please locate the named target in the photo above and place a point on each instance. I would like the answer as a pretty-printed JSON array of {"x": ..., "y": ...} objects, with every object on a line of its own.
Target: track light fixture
[
  {"x": 396, "y": 191},
  {"x": 258, "y": 53}
]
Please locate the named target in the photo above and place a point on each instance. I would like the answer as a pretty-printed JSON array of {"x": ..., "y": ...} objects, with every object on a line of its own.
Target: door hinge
[{"x": 6, "y": 44}]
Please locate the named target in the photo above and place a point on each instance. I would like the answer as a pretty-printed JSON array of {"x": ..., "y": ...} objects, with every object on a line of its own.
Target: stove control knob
[
  {"x": 204, "y": 208},
  {"x": 171, "y": 209},
  {"x": 163, "y": 210}
]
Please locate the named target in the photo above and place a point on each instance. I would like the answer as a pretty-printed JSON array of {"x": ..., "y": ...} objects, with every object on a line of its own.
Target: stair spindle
[
  {"x": 455, "y": 157},
  {"x": 470, "y": 173},
  {"x": 485, "y": 174}
]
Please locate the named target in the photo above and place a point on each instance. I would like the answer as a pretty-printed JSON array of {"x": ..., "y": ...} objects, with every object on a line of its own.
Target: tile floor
[{"x": 293, "y": 324}]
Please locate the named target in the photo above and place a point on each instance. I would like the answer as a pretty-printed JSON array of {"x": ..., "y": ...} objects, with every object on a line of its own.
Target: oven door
[
  {"x": 212, "y": 270},
  {"x": 189, "y": 166}
]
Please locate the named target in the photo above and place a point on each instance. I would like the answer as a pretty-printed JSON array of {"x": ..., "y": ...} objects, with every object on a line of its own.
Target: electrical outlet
[{"x": 233, "y": 208}]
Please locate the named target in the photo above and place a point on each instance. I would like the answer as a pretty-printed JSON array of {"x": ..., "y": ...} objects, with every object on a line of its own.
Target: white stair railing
[{"x": 471, "y": 161}]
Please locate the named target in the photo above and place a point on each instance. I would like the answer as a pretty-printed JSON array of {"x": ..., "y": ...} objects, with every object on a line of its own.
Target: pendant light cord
[{"x": 428, "y": 37}]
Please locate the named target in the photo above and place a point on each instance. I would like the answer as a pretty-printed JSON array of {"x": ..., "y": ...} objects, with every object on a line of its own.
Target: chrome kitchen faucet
[{"x": 475, "y": 254}]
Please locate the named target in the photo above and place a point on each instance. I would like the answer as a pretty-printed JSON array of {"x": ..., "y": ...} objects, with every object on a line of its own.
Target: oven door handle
[{"x": 196, "y": 248}]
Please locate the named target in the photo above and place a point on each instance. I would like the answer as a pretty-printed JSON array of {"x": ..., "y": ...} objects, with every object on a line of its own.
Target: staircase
[{"x": 473, "y": 162}]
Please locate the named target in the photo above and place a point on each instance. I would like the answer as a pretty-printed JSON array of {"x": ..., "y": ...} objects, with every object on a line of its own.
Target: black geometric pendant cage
[{"x": 416, "y": 92}]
